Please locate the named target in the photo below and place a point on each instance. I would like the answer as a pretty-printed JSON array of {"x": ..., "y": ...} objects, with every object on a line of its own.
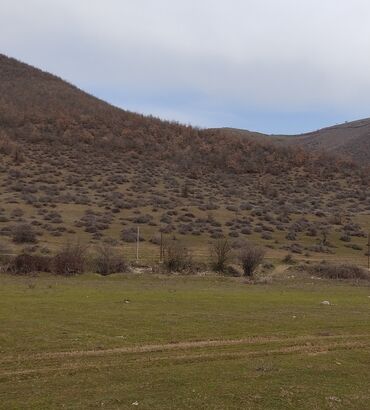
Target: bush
[
  {"x": 6, "y": 145},
  {"x": 108, "y": 261},
  {"x": 177, "y": 258},
  {"x": 142, "y": 219},
  {"x": 24, "y": 233},
  {"x": 4, "y": 249},
  {"x": 71, "y": 260},
  {"x": 156, "y": 239},
  {"x": 345, "y": 238},
  {"x": 220, "y": 254},
  {"x": 130, "y": 235},
  {"x": 291, "y": 236},
  {"x": 288, "y": 259},
  {"x": 251, "y": 256},
  {"x": 25, "y": 264},
  {"x": 337, "y": 271}
]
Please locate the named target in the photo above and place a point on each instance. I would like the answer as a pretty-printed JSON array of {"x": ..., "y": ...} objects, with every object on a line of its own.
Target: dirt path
[
  {"x": 182, "y": 346},
  {"x": 202, "y": 356}
]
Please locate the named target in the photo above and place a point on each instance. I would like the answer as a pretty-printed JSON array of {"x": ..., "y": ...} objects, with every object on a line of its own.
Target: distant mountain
[{"x": 350, "y": 140}]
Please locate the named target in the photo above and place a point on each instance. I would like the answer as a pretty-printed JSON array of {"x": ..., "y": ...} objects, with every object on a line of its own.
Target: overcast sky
[{"x": 277, "y": 66}]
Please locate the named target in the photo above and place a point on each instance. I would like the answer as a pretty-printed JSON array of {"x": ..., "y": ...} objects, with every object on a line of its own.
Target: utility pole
[
  {"x": 161, "y": 250},
  {"x": 137, "y": 244},
  {"x": 368, "y": 251}
]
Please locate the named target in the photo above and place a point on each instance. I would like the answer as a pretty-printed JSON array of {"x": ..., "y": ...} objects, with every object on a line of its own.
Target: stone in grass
[{"x": 325, "y": 302}]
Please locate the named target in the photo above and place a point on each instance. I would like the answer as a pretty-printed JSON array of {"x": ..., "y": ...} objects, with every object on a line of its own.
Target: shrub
[
  {"x": 266, "y": 236},
  {"x": 108, "y": 261},
  {"x": 220, "y": 254},
  {"x": 312, "y": 231},
  {"x": 24, "y": 233},
  {"x": 142, "y": 219},
  {"x": 130, "y": 235},
  {"x": 156, "y": 239},
  {"x": 291, "y": 236},
  {"x": 6, "y": 145},
  {"x": 17, "y": 154},
  {"x": 239, "y": 243},
  {"x": 288, "y": 259},
  {"x": 246, "y": 231},
  {"x": 71, "y": 260},
  {"x": 251, "y": 256},
  {"x": 338, "y": 271},
  {"x": 25, "y": 264},
  {"x": 268, "y": 266},
  {"x": 17, "y": 213},
  {"x": 355, "y": 247},
  {"x": 345, "y": 238},
  {"x": 177, "y": 258},
  {"x": 4, "y": 249}
]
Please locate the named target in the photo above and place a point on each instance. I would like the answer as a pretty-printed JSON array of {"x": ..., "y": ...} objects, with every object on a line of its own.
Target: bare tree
[
  {"x": 107, "y": 260},
  {"x": 221, "y": 254},
  {"x": 251, "y": 256},
  {"x": 177, "y": 257},
  {"x": 71, "y": 260}
]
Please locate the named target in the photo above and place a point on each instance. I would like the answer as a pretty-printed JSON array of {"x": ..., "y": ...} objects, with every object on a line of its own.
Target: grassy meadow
[{"x": 176, "y": 342}]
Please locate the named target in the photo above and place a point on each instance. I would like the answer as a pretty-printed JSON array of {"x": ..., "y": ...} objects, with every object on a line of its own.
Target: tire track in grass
[
  {"x": 196, "y": 357},
  {"x": 191, "y": 345},
  {"x": 182, "y": 346}
]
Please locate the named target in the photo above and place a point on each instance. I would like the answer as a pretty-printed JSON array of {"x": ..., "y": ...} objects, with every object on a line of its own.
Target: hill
[
  {"x": 350, "y": 140},
  {"x": 35, "y": 105},
  {"x": 74, "y": 167}
]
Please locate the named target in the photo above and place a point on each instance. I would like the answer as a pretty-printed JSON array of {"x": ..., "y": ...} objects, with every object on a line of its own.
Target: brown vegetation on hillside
[{"x": 37, "y": 107}]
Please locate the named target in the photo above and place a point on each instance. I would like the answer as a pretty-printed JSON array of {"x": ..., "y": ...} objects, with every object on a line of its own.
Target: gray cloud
[{"x": 252, "y": 55}]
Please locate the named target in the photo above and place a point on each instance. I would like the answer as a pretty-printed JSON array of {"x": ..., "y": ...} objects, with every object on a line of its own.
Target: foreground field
[{"x": 154, "y": 342}]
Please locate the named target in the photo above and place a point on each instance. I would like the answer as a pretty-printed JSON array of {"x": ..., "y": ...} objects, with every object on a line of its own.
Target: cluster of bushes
[
  {"x": 74, "y": 259},
  {"x": 25, "y": 264},
  {"x": 70, "y": 260},
  {"x": 177, "y": 258},
  {"x": 248, "y": 255},
  {"x": 327, "y": 270},
  {"x": 108, "y": 261}
]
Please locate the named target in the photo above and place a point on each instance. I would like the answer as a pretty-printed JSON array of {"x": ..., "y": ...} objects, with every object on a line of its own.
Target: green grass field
[{"x": 167, "y": 342}]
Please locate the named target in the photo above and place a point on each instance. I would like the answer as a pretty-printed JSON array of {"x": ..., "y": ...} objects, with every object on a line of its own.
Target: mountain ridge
[
  {"x": 57, "y": 100},
  {"x": 35, "y": 105},
  {"x": 350, "y": 139}
]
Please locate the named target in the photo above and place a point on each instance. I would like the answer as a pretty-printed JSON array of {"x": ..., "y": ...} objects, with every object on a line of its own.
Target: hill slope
[
  {"x": 351, "y": 139},
  {"x": 74, "y": 167},
  {"x": 35, "y": 105}
]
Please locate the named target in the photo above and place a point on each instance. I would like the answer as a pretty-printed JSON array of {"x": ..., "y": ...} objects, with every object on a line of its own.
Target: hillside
[
  {"x": 350, "y": 140},
  {"x": 37, "y": 106},
  {"x": 74, "y": 167}
]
